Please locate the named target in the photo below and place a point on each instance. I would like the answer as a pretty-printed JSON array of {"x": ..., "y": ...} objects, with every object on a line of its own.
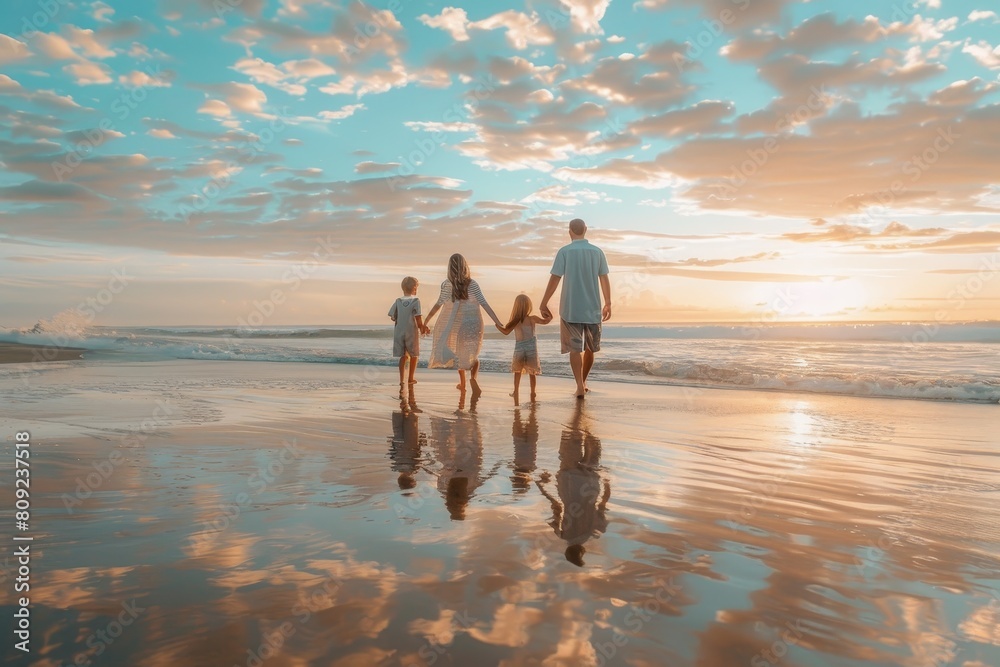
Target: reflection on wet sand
[
  {"x": 525, "y": 435},
  {"x": 458, "y": 449},
  {"x": 580, "y": 512},
  {"x": 776, "y": 546},
  {"x": 407, "y": 440}
]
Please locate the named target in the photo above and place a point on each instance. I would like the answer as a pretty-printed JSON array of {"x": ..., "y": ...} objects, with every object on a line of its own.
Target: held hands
[{"x": 544, "y": 310}]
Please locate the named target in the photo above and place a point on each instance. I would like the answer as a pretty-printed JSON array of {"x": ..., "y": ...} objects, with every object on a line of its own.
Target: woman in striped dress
[{"x": 458, "y": 336}]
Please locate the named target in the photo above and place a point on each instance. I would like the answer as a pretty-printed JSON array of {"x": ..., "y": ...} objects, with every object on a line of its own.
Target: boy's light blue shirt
[{"x": 580, "y": 264}]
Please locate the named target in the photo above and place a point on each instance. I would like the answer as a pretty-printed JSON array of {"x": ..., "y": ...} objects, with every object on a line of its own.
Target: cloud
[
  {"x": 730, "y": 14},
  {"x": 845, "y": 232},
  {"x": 102, "y": 12},
  {"x": 914, "y": 157},
  {"x": 216, "y": 108},
  {"x": 297, "y": 8},
  {"x": 562, "y": 195},
  {"x": 360, "y": 34},
  {"x": 252, "y": 198},
  {"x": 986, "y": 240},
  {"x": 554, "y": 134},
  {"x": 645, "y": 82},
  {"x": 759, "y": 257},
  {"x": 218, "y": 8},
  {"x": 160, "y": 133},
  {"x": 45, "y": 98},
  {"x": 369, "y": 167},
  {"x": 289, "y": 76},
  {"x": 982, "y": 15},
  {"x": 90, "y": 42},
  {"x": 244, "y": 97},
  {"x": 521, "y": 30},
  {"x": 963, "y": 93},
  {"x": 137, "y": 79},
  {"x": 705, "y": 116},
  {"x": 452, "y": 20},
  {"x": 586, "y": 15},
  {"x": 984, "y": 53},
  {"x": 53, "y": 46},
  {"x": 342, "y": 113},
  {"x": 740, "y": 276},
  {"x": 12, "y": 50},
  {"x": 226, "y": 137},
  {"x": 46, "y": 192},
  {"x": 78, "y": 136}
]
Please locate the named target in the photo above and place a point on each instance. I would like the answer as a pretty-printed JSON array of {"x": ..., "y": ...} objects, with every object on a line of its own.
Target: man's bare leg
[
  {"x": 588, "y": 363},
  {"x": 576, "y": 363}
]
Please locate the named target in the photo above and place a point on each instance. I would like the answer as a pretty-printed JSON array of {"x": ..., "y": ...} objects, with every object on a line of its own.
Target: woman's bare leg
[
  {"x": 532, "y": 379},
  {"x": 473, "y": 381},
  {"x": 461, "y": 380}
]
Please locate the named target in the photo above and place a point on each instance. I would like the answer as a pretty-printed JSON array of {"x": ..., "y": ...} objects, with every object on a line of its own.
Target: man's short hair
[{"x": 578, "y": 227}]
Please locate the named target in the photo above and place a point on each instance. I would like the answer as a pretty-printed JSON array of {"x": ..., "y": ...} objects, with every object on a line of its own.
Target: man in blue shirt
[{"x": 583, "y": 266}]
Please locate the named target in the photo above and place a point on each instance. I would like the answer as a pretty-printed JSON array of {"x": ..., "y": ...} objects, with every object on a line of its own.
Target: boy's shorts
[
  {"x": 579, "y": 337},
  {"x": 405, "y": 343}
]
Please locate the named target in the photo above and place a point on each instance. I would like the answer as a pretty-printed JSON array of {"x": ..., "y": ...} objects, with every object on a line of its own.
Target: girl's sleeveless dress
[{"x": 458, "y": 334}]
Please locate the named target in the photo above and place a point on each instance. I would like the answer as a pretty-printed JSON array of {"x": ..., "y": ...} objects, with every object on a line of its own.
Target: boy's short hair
[{"x": 409, "y": 284}]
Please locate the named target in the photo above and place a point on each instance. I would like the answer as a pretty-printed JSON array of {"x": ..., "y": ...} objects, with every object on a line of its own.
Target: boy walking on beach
[
  {"x": 584, "y": 266},
  {"x": 405, "y": 312}
]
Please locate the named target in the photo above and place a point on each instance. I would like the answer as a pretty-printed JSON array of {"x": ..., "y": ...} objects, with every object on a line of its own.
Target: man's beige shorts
[{"x": 577, "y": 337}]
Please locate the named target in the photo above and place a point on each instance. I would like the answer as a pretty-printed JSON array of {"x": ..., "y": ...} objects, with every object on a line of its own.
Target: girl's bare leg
[
  {"x": 517, "y": 386},
  {"x": 531, "y": 378},
  {"x": 413, "y": 369},
  {"x": 402, "y": 367}
]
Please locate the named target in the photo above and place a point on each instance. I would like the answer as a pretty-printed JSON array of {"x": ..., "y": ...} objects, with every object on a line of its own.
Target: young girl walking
[{"x": 526, "y": 360}]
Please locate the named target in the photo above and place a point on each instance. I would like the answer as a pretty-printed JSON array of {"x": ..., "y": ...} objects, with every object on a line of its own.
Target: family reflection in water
[
  {"x": 407, "y": 441},
  {"x": 580, "y": 511},
  {"x": 453, "y": 453}
]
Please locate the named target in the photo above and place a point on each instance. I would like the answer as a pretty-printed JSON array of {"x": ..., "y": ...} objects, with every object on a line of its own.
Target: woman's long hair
[
  {"x": 459, "y": 276},
  {"x": 520, "y": 311}
]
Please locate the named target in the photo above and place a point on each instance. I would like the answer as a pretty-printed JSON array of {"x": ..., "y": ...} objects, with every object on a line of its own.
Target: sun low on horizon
[{"x": 195, "y": 162}]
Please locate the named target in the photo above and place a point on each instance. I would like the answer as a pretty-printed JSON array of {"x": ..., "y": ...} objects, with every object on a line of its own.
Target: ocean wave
[
  {"x": 868, "y": 384},
  {"x": 942, "y": 371}
]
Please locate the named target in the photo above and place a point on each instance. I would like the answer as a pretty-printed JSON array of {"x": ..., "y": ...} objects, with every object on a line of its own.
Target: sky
[{"x": 288, "y": 162}]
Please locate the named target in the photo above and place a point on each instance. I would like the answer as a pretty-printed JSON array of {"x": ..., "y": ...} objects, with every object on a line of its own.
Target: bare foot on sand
[
  {"x": 534, "y": 397},
  {"x": 476, "y": 390}
]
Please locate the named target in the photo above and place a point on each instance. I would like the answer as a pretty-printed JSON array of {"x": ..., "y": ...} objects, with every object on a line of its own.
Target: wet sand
[
  {"x": 17, "y": 353},
  {"x": 302, "y": 514}
]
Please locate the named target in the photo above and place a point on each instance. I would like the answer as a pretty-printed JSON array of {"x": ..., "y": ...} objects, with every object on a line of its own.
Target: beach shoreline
[{"x": 23, "y": 353}]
